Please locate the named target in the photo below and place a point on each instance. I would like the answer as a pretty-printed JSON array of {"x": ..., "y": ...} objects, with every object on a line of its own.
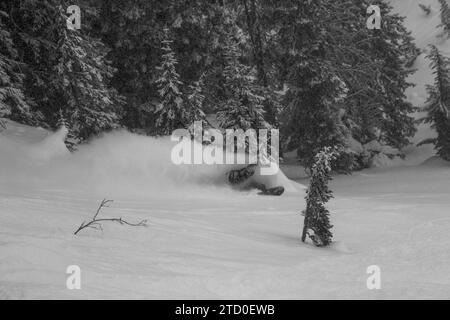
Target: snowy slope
[{"x": 205, "y": 240}]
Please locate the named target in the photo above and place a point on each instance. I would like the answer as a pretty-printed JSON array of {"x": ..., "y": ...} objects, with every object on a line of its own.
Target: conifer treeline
[{"x": 310, "y": 68}]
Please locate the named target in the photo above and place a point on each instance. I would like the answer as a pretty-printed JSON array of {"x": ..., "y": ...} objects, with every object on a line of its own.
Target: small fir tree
[
  {"x": 317, "y": 221},
  {"x": 170, "y": 114},
  {"x": 438, "y": 103}
]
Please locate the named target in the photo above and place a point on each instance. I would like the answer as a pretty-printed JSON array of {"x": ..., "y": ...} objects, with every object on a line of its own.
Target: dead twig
[{"x": 96, "y": 223}]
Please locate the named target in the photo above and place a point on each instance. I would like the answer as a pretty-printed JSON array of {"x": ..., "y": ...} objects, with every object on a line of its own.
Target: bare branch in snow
[{"x": 95, "y": 223}]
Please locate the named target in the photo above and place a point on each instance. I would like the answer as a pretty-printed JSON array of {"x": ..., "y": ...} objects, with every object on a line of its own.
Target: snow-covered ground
[{"x": 205, "y": 240}]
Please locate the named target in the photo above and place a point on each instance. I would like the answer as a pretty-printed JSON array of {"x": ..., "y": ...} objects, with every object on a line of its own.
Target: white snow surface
[{"x": 205, "y": 240}]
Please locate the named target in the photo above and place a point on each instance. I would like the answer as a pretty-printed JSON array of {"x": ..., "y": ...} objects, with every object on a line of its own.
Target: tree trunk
[{"x": 305, "y": 227}]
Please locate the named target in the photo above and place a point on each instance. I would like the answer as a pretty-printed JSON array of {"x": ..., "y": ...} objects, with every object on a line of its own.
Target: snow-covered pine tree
[
  {"x": 445, "y": 16},
  {"x": 195, "y": 101},
  {"x": 65, "y": 69},
  {"x": 13, "y": 103},
  {"x": 312, "y": 118},
  {"x": 438, "y": 103},
  {"x": 90, "y": 104},
  {"x": 376, "y": 107},
  {"x": 317, "y": 221},
  {"x": 135, "y": 29},
  {"x": 170, "y": 114},
  {"x": 242, "y": 108}
]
